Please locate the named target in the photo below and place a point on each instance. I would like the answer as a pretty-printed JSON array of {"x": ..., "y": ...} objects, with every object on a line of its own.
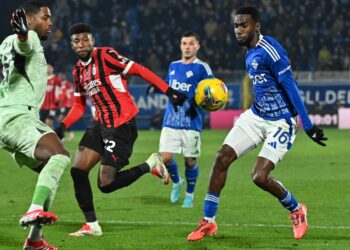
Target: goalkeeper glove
[
  {"x": 19, "y": 22},
  {"x": 317, "y": 135}
]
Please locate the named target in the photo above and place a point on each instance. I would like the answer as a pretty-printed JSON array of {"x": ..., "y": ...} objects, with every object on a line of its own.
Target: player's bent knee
[
  {"x": 259, "y": 178},
  {"x": 224, "y": 158},
  {"x": 63, "y": 151},
  {"x": 190, "y": 163}
]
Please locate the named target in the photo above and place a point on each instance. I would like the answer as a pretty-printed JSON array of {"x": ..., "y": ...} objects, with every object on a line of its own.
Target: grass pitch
[{"x": 142, "y": 217}]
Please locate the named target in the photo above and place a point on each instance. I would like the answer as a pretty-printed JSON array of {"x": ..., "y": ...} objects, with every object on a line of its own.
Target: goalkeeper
[{"x": 30, "y": 142}]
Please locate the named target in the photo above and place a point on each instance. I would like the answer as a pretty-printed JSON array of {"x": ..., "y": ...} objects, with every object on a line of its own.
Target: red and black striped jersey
[
  {"x": 67, "y": 94},
  {"x": 52, "y": 96},
  {"x": 103, "y": 79}
]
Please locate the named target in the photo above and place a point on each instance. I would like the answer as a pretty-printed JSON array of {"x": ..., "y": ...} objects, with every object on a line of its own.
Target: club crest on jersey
[
  {"x": 189, "y": 74},
  {"x": 93, "y": 70},
  {"x": 255, "y": 64}
]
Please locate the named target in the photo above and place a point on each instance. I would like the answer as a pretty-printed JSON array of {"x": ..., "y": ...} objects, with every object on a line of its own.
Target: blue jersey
[
  {"x": 185, "y": 78},
  {"x": 276, "y": 92}
]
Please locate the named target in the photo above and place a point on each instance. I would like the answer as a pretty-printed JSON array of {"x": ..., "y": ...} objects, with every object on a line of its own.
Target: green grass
[{"x": 141, "y": 216}]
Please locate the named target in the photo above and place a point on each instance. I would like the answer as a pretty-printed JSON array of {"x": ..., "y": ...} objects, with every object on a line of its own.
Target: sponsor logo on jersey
[
  {"x": 93, "y": 70},
  {"x": 172, "y": 72},
  {"x": 92, "y": 87},
  {"x": 180, "y": 85},
  {"x": 259, "y": 78}
]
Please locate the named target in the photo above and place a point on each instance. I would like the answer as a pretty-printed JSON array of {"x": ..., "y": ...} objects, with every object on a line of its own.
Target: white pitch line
[{"x": 183, "y": 223}]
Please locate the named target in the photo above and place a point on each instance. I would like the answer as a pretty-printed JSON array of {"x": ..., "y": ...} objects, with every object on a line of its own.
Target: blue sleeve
[
  {"x": 167, "y": 77},
  {"x": 290, "y": 86},
  {"x": 284, "y": 75}
]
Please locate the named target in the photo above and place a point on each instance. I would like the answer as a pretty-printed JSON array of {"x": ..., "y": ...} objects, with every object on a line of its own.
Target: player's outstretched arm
[
  {"x": 75, "y": 113},
  {"x": 175, "y": 96},
  {"x": 314, "y": 132}
]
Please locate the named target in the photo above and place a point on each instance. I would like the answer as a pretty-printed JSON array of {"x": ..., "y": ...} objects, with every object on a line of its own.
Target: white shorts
[
  {"x": 187, "y": 142},
  {"x": 250, "y": 130}
]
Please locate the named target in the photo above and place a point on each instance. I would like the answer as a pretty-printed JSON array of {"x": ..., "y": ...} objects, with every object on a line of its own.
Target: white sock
[
  {"x": 179, "y": 183},
  {"x": 190, "y": 194},
  {"x": 35, "y": 207},
  {"x": 210, "y": 220},
  {"x": 35, "y": 233},
  {"x": 93, "y": 224}
]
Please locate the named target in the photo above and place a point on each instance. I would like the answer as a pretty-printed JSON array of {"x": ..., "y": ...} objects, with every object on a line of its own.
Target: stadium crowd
[{"x": 315, "y": 36}]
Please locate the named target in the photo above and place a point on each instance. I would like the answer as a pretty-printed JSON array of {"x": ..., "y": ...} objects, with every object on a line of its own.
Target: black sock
[
  {"x": 126, "y": 177},
  {"x": 83, "y": 193}
]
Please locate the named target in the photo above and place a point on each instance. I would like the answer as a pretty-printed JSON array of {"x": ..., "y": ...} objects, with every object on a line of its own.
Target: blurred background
[{"x": 316, "y": 35}]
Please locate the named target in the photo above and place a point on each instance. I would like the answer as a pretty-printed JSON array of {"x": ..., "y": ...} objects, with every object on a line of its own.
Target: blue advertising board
[{"x": 325, "y": 96}]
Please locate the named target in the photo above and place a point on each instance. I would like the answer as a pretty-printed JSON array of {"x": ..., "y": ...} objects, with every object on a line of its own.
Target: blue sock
[
  {"x": 211, "y": 203},
  {"x": 289, "y": 201},
  {"x": 191, "y": 175},
  {"x": 173, "y": 171}
]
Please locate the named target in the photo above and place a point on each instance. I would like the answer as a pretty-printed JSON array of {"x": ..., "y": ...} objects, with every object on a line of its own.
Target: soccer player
[
  {"x": 182, "y": 127},
  {"x": 101, "y": 73},
  {"x": 66, "y": 102},
  {"x": 30, "y": 142},
  {"x": 51, "y": 101},
  {"x": 272, "y": 120}
]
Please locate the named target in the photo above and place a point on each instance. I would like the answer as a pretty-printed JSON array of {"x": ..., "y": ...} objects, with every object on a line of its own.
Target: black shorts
[
  {"x": 47, "y": 114},
  {"x": 114, "y": 144}
]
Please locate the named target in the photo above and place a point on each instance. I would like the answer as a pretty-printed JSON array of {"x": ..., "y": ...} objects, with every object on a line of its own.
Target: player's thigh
[
  {"x": 90, "y": 148},
  {"x": 280, "y": 136},
  {"x": 118, "y": 144},
  {"x": 245, "y": 135},
  {"x": 86, "y": 158},
  {"x": 170, "y": 141},
  {"x": 191, "y": 143},
  {"x": 21, "y": 132}
]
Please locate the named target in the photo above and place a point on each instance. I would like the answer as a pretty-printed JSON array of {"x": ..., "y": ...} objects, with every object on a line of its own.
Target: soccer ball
[{"x": 211, "y": 94}]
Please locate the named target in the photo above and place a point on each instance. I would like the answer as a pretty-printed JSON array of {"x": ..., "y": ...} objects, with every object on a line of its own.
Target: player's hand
[
  {"x": 151, "y": 89},
  {"x": 191, "y": 111},
  {"x": 19, "y": 22},
  {"x": 317, "y": 135},
  {"x": 176, "y": 98},
  {"x": 60, "y": 130}
]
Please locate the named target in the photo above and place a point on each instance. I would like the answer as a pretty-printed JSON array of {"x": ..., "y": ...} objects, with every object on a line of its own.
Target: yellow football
[{"x": 211, "y": 94}]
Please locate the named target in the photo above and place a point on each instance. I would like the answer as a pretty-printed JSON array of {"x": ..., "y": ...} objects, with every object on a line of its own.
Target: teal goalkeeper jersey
[{"x": 24, "y": 71}]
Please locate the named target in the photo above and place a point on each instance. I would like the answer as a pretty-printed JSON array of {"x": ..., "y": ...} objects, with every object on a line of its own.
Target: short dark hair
[
  {"x": 79, "y": 28},
  {"x": 249, "y": 10},
  {"x": 33, "y": 7},
  {"x": 189, "y": 34}
]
